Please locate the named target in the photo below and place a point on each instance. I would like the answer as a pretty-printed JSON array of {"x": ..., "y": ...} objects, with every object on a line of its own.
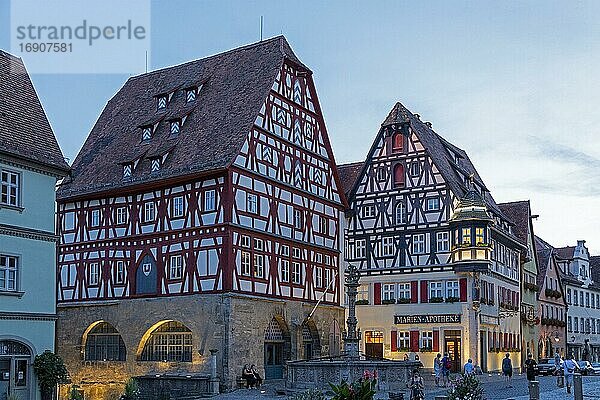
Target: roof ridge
[
  {"x": 209, "y": 57},
  {"x": 350, "y": 163},
  {"x": 514, "y": 202}
]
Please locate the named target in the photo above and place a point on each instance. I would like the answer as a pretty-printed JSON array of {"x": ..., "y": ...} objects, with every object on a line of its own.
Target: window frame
[
  {"x": 210, "y": 200},
  {"x": 252, "y": 205},
  {"x": 360, "y": 251},
  {"x": 149, "y": 211},
  {"x": 93, "y": 270},
  {"x": 435, "y": 289},
  {"x": 8, "y": 185},
  {"x": 388, "y": 246},
  {"x": 177, "y": 207},
  {"x": 176, "y": 267},
  {"x": 417, "y": 243},
  {"x": 432, "y": 203},
  {"x": 439, "y": 239},
  {"x": 368, "y": 211},
  {"x": 119, "y": 272},
  {"x": 121, "y": 218},
  {"x": 6, "y": 270}
]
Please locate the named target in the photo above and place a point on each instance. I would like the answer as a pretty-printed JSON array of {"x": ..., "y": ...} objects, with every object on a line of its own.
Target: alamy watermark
[{"x": 81, "y": 36}]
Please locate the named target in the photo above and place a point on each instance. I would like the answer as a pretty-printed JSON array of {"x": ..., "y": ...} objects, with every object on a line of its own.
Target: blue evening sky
[{"x": 514, "y": 83}]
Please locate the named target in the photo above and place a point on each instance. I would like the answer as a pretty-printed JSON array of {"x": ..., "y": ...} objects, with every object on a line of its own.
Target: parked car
[
  {"x": 596, "y": 367},
  {"x": 546, "y": 366},
  {"x": 585, "y": 368}
]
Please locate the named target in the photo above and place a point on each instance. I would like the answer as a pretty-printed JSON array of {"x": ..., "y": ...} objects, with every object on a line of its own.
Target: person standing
[
  {"x": 469, "y": 367},
  {"x": 446, "y": 366},
  {"x": 530, "y": 365},
  {"x": 437, "y": 368},
  {"x": 569, "y": 367},
  {"x": 507, "y": 370}
]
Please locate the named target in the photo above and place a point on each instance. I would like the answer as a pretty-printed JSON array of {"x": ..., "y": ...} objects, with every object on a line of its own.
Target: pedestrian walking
[
  {"x": 437, "y": 368},
  {"x": 530, "y": 367},
  {"x": 507, "y": 370},
  {"x": 569, "y": 367}
]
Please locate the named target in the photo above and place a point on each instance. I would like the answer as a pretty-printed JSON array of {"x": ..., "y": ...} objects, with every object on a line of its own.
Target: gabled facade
[
  {"x": 31, "y": 163},
  {"x": 440, "y": 264},
  {"x": 583, "y": 302},
  {"x": 552, "y": 303},
  {"x": 219, "y": 216},
  {"x": 519, "y": 212}
]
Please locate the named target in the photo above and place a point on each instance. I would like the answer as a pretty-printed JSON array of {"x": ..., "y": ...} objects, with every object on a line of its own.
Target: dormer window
[
  {"x": 175, "y": 126},
  {"x": 146, "y": 133},
  {"x": 155, "y": 166},
  {"x": 127, "y": 169},
  {"x": 190, "y": 94},
  {"x": 161, "y": 102}
]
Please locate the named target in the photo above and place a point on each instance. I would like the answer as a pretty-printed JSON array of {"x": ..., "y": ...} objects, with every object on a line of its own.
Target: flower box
[
  {"x": 436, "y": 300},
  {"x": 403, "y": 300},
  {"x": 452, "y": 299},
  {"x": 362, "y": 302},
  {"x": 388, "y": 301}
]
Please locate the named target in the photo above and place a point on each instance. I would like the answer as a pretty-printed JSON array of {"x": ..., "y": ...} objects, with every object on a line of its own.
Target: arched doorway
[
  {"x": 335, "y": 339},
  {"x": 277, "y": 348},
  {"x": 311, "y": 343},
  {"x": 15, "y": 371}
]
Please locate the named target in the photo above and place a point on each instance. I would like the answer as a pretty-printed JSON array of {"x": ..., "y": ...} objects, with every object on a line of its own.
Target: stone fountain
[{"x": 351, "y": 365}]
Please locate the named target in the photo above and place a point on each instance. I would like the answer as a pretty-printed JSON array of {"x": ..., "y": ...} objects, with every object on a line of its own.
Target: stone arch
[
  {"x": 17, "y": 357},
  {"x": 335, "y": 339},
  {"x": 156, "y": 343},
  {"x": 101, "y": 341},
  {"x": 311, "y": 341}
]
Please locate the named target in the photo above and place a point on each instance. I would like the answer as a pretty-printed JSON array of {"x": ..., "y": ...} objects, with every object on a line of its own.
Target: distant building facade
[
  {"x": 203, "y": 214},
  {"x": 552, "y": 303},
  {"x": 583, "y": 302},
  {"x": 439, "y": 261},
  {"x": 519, "y": 212},
  {"x": 31, "y": 162}
]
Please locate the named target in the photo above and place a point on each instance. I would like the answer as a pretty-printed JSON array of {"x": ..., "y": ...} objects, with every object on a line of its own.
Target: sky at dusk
[{"x": 514, "y": 83}]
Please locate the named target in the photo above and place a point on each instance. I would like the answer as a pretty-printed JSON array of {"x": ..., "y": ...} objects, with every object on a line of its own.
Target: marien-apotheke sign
[{"x": 427, "y": 319}]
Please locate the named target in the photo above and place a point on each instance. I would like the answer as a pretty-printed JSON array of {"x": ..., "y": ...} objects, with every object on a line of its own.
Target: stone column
[
  {"x": 352, "y": 338},
  {"x": 214, "y": 379}
]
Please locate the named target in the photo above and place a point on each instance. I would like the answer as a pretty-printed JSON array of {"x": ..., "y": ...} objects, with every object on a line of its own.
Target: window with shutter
[{"x": 399, "y": 180}]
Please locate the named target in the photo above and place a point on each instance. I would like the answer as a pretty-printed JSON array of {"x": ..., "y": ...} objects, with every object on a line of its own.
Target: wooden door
[{"x": 452, "y": 345}]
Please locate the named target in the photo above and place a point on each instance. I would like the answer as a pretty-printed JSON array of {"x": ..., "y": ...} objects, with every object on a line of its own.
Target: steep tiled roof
[
  {"x": 566, "y": 253},
  {"x": 24, "y": 129},
  {"x": 233, "y": 84},
  {"x": 348, "y": 174},
  {"x": 442, "y": 153},
  {"x": 519, "y": 213},
  {"x": 544, "y": 252}
]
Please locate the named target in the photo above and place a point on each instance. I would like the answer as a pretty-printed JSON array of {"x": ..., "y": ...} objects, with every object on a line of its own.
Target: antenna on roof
[{"x": 261, "y": 28}]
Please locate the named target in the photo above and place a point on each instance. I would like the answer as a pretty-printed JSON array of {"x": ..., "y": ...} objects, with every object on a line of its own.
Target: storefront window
[
  {"x": 20, "y": 373},
  {"x": 427, "y": 340}
]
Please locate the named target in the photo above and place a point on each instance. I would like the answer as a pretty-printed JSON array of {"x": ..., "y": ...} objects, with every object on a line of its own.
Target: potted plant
[
  {"x": 362, "y": 389},
  {"x": 50, "y": 371},
  {"x": 465, "y": 387}
]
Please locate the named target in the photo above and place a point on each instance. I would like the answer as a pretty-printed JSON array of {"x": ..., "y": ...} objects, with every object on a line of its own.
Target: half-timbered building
[
  {"x": 203, "y": 213},
  {"x": 439, "y": 261},
  {"x": 552, "y": 303},
  {"x": 519, "y": 212}
]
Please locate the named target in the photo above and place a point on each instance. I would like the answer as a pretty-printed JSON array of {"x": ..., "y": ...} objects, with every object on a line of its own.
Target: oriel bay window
[{"x": 170, "y": 342}]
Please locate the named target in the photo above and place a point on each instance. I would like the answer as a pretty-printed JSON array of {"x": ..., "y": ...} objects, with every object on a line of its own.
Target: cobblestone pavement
[{"x": 495, "y": 389}]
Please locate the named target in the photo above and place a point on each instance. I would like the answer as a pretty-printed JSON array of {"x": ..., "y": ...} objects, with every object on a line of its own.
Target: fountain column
[{"x": 352, "y": 337}]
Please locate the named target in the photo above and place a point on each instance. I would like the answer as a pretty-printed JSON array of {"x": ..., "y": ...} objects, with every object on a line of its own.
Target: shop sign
[{"x": 427, "y": 319}]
